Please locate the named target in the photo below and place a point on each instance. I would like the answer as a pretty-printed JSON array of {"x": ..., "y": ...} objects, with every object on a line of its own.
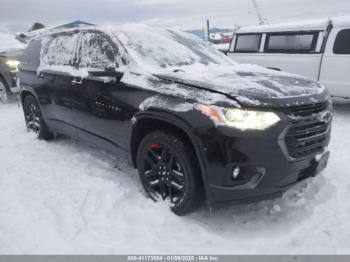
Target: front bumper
[
  {"x": 267, "y": 162},
  {"x": 274, "y": 183}
]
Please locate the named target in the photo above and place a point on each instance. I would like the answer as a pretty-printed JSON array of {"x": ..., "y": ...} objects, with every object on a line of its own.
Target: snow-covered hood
[
  {"x": 12, "y": 54},
  {"x": 252, "y": 85}
]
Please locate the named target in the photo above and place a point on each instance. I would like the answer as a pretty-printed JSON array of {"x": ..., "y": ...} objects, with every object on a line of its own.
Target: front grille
[
  {"x": 310, "y": 130},
  {"x": 307, "y": 110}
]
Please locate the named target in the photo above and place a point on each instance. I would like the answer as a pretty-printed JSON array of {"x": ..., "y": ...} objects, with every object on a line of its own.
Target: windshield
[{"x": 167, "y": 48}]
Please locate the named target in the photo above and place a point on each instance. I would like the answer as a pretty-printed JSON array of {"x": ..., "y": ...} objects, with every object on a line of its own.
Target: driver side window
[{"x": 96, "y": 52}]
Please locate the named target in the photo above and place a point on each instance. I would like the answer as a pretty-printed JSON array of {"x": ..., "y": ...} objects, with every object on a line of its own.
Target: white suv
[{"x": 317, "y": 49}]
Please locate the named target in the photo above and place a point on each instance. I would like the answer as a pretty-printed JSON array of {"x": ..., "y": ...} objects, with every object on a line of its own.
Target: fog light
[{"x": 235, "y": 172}]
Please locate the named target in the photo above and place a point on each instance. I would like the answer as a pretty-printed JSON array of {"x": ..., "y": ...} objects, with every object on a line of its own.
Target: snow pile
[
  {"x": 8, "y": 42},
  {"x": 64, "y": 197}
]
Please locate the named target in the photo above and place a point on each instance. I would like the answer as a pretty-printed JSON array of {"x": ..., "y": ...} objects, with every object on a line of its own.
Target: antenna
[{"x": 259, "y": 13}]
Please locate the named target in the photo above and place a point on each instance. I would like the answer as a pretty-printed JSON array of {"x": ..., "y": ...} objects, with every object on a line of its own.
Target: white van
[{"x": 317, "y": 49}]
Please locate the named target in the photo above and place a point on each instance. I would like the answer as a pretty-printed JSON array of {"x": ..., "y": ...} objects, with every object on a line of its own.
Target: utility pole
[
  {"x": 262, "y": 20},
  {"x": 208, "y": 30}
]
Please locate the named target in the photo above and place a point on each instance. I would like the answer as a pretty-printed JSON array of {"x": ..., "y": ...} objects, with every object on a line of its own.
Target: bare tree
[{"x": 36, "y": 26}]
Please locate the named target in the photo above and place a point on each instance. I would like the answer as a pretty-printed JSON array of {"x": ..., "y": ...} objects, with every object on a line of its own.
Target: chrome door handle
[{"x": 77, "y": 82}]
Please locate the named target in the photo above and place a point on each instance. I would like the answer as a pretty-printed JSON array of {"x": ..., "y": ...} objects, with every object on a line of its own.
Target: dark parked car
[
  {"x": 195, "y": 124},
  {"x": 9, "y": 61}
]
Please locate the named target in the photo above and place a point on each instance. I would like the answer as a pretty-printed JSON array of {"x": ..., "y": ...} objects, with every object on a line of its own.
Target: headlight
[
  {"x": 12, "y": 63},
  {"x": 240, "y": 118}
]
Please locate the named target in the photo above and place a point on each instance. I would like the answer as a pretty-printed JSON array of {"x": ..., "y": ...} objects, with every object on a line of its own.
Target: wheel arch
[
  {"x": 146, "y": 123},
  {"x": 26, "y": 92}
]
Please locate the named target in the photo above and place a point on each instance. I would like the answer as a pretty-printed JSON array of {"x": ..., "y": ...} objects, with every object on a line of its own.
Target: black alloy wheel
[
  {"x": 168, "y": 171},
  {"x": 33, "y": 118},
  {"x": 164, "y": 173}
]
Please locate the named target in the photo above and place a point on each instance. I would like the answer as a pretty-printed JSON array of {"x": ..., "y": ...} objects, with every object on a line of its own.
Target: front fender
[
  {"x": 171, "y": 119},
  {"x": 28, "y": 90}
]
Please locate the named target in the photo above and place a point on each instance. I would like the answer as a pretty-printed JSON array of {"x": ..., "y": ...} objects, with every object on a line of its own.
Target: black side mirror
[
  {"x": 107, "y": 72},
  {"x": 112, "y": 70}
]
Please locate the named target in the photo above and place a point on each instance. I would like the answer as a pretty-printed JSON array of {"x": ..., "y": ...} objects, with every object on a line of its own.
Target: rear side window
[
  {"x": 59, "y": 49},
  {"x": 342, "y": 43},
  {"x": 291, "y": 42},
  {"x": 96, "y": 51},
  {"x": 248, "y": 43},
  {"x": 31, "y": 55}
]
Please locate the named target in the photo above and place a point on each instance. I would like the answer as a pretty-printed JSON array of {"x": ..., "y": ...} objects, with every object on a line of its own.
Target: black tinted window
[
  {"x": 342, "y": 42},
  {"x": 291, "y": 42},
  {"x": 31, "y": 55},
  {"x": 248, "y": 43},
  {"x": 59, "y": 49},
  {"x": 96, "y": 51}
]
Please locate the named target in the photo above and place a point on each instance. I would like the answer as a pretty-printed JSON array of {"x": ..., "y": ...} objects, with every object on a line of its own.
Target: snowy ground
[
  {"x": 65, "y": 197},
  {"x": 8, "y": 42}
]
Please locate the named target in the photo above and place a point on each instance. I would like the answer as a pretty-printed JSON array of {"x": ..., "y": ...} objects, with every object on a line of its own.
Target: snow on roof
[
  {"x": 341, "y": 21},
  {"x": 316, "y": 24},
  {"x": 9, "y": 42},
  {"x": 319, "y": 24}
]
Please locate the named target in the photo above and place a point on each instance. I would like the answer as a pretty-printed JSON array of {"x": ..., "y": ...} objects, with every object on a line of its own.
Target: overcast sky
[{"x": 187, "y": 14}]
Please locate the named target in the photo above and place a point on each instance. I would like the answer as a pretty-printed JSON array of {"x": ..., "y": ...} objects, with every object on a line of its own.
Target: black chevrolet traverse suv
[{"x": 194, "y": 123}]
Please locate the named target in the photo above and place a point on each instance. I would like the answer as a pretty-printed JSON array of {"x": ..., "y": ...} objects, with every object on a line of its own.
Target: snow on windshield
[{"x": 166, "y": 48}]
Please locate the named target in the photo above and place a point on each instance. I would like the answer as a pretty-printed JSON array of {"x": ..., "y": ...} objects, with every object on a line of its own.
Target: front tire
[
  {"x": 34, "y": 120},
  {"x": 168, "y": 171}
]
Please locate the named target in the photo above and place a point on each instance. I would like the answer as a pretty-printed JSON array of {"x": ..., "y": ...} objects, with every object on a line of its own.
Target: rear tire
[
  {"x": 33, "y": 118},
  {"x": 168, "y": 171}
]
